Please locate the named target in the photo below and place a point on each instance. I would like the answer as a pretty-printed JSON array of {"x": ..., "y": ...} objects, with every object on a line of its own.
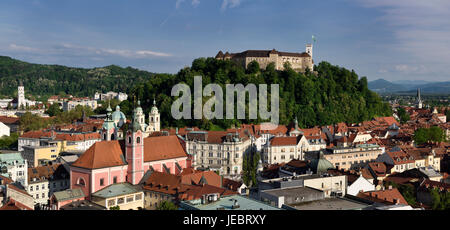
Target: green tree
[
  {"x": 115, "y": 207},
  {"x": 253, "y": 67},
  {"x": 53, "y": 110},
  {"x": 166, "y": 205},
  {"x": 403, "y": 115}
]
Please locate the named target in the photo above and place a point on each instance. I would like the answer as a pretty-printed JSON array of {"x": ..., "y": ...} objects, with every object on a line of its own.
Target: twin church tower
[{"x": 112, "y": 127}]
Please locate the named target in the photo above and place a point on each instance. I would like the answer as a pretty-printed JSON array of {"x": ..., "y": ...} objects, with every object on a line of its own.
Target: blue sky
[{"x": 395, "y": 40}]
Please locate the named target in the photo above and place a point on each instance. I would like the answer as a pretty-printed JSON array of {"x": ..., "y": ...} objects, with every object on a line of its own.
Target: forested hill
[
  {"x": 334, "y": 95},
  {"x": 46, "y": 80}
]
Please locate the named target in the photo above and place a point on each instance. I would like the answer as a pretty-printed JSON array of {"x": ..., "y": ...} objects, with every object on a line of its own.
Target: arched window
[
  {"x": 81, "y": 181},
  {"x": 104, "y": 136},
  {"x": 152, "y": 119},
  {"x": 138, "y": 140},
  {"x": 129, "y": 140},
  {"x": 112, "y": 136}
]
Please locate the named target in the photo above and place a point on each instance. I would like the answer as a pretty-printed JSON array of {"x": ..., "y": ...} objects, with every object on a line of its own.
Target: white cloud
[
  {"x": 15, "y": 47},
  {"x": 420, "y": 29},
  {"x": 226, "y": 4},
  {"x": 194, "y": 3},
  {"x": 74, "y": 50}
]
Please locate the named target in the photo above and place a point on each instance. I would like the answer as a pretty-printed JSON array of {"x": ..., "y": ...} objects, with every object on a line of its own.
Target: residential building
[
  {"x": 352, "y": 157},
  {"x": 43, "y": 181},
  {"x": 360, "y": 185},
  {"x": 124, "y": 195},
  {"x": 220, "y": 151},
  {"x": 232, "y": 202},
  {"x": 11, "y": 122},
  {"x": 62, "y": 140},
  {"x": 61, "y": 198},
  {"x": 74, "y": 102},
  {"x": 285, "y": 149},
  {"x": 4, "y": 130},
  {"x": 14, "y": 166}
]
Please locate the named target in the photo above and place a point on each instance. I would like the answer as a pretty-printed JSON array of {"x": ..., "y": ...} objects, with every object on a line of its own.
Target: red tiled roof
[
  {"x": 101, "y": 155},
  {"x": 9, "y": 120},
  {"x": 388, "y": 196},
  {"x": 283, "y": 141},
  {"x": 196, "y": 192},
  {"x": 231, "y": 184},
  {"x": 163, "y": 147},
  {"x": 14, "y": 205},
  {"x": 211, "y": 177},
  {"x": 400, "y": 157}
]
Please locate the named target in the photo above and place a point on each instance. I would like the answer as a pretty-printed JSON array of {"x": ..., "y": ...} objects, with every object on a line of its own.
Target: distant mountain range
[{"x": 383, "y": 86}]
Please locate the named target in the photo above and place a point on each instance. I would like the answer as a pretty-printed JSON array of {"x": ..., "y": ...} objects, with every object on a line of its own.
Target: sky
[{"x": 394, "y": 40}]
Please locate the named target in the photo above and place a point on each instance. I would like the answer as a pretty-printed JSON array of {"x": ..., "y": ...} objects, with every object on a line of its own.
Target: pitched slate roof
[{"x": 69, "y": 194}]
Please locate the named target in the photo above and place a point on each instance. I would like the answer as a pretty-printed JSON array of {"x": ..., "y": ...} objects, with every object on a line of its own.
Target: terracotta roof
[
  {"x": 379, "y": 168},
  {"x": 61, "y": 136},
  {"x": 162, "y": 148},
  {"x": 400, "y": 157},
  {"x": 55, "y": 171},
  {"x": 14, "y": 205},
  {"x": 231, "y": 184},
  {"x": 284, "y": 141},
  {"x": 211, "y": 178},
  {"x": 196, "y": 192},
  {"x": 9, "y": 120},
  {"x": 384, "y": 196},
  {"x": 5, "y": 180},
  {"x": 163, "y": 182},
  {"x": 101, "y": 154},
  {"x": 427, "y": 183}
]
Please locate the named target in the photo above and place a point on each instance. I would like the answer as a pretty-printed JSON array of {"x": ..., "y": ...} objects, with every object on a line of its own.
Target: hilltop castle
[{"x": 298, "y": 61}]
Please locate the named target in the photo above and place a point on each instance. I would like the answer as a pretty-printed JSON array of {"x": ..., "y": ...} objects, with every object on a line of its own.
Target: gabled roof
[
  {"x": 46, "y": 172},
  {"x": 284, "y": 141},
  {"x": 384, "y": 196},
  {"x": 162, "y": 148}
]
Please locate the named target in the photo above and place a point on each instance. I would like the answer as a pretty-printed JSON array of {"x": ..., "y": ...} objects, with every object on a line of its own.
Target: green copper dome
[
  {"x": 117, "y": 115},
  {"x": 321, "y": 165}
]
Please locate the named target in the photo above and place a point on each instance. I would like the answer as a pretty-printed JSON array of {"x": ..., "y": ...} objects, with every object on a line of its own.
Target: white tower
[
  {"x": 309, "y": 49},
  {"x": 153, "y": 119},
  {"x": 21, "y": 96}
]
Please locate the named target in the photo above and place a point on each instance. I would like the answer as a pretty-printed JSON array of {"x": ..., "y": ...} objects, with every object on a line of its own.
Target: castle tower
[
  {"x": 154, "y": 119},
  {"x": 309, "y": 49},
  {"x": 135, "y": 150},
  {"x": 109, "y": 131},
  {"x": 21, "y": 96}
]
